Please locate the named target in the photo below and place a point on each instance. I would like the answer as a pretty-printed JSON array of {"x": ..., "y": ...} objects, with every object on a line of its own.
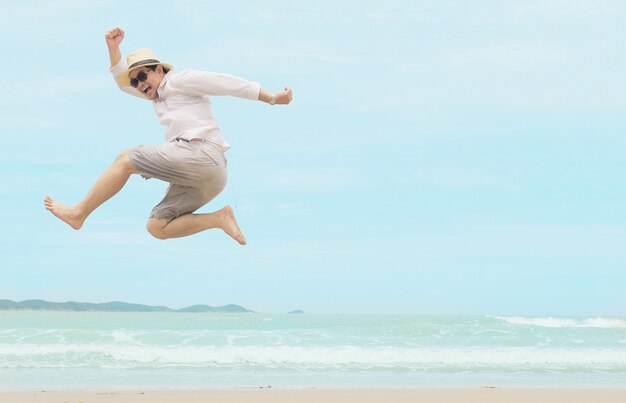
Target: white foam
[
  {"x": 605, "y": 323},
  {"x": 121, "y": 336},
  {"x": 347, "y": 357},
  {"x": 599, "y": 322}
]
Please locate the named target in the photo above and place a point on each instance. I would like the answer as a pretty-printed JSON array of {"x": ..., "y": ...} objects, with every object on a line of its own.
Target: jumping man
[{"x": 192, "y": 158}]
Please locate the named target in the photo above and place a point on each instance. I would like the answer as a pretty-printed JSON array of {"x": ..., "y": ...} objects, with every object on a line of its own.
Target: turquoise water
[{"x": 81, "y": 350}]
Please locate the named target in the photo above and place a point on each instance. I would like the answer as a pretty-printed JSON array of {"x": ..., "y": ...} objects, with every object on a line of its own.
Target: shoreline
[{"x": 314, "y": 395}]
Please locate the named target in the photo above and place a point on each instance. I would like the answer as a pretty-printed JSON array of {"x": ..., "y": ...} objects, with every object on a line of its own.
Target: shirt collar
[{"x": 163, "y": 81}]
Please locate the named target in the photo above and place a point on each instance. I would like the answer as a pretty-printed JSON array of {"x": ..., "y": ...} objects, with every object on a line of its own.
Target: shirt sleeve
[
  {"x": 116, "y": 71},
  {"x": 208, "y": 83}
]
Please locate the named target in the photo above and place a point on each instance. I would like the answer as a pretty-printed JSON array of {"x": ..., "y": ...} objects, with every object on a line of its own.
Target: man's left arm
[
  {"x": 279, "y": 98},
  {"x": 209, "y": 83}
]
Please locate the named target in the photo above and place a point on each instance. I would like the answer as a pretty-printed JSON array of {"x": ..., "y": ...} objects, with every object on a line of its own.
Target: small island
[
  {"x": 297, "y": 312},
  {"x": 115, "y": 306}
]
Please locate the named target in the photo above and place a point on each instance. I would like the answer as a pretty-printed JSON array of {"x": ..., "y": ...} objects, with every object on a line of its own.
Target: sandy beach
[{"x": 486, "y": 395}]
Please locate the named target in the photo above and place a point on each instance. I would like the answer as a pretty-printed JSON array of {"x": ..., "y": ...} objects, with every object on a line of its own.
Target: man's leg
[
  {"x": 109, "y": 183},
  {"x": 189, "y": 224}
]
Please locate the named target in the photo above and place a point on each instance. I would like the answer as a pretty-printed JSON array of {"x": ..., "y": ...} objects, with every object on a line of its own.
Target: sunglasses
[{"x": 142, "y": 76}]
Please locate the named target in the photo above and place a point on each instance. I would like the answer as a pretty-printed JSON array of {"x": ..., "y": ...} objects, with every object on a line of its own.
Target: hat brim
[{"x": 124, "y": 80}]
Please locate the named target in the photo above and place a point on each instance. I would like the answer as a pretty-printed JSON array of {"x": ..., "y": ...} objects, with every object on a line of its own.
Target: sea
[{"x": 49, "y": 350}]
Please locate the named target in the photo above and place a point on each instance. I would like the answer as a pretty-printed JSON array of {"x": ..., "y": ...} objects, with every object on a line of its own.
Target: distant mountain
[{"x": 115, "y": 306}]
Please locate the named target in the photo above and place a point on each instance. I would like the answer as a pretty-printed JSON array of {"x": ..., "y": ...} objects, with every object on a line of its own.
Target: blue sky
[{"x": 439, "y": 156}]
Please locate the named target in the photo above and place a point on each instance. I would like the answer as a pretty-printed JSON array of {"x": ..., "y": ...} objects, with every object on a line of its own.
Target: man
[{"x": 192, "y": 158}]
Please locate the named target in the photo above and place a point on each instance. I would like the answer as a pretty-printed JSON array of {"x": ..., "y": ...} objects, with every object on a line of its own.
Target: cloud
[
  {"x": 53, "y": 21},
  {"x": 312, "y": 181},
  {"x": 115, "y": 238},
  {"x": 551, "y": 76},
  {"x": 247, "y": 208},
  {"x": 560, "y": 9},
  {"x": 516, "y": 57},
  {"x": 481, "y": 13},
  {"x": 53, "y": 87},
  {"x": 17, "y": 11},
  {"x": 295, "y": 58},
  {"x": 464, "y": 179},
  {"x": 292, "y": 208},
  {"x": 311, "y": 52},
  {"x": 484, "y": 238}
]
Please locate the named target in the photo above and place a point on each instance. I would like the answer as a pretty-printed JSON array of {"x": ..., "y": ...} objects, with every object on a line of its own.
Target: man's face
[{"x": 147, "y": 80}]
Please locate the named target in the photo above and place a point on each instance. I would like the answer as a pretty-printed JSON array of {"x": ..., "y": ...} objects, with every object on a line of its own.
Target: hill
[{"x": 114, "y": 306}]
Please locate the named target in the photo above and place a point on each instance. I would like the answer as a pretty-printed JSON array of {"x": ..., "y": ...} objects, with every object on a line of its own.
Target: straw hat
[{"x": 140, "y": 58}]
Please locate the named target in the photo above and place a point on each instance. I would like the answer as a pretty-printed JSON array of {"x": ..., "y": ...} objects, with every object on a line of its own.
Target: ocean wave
[
  {"x": 598, "y": 322},
  {"x": 348, "y": 357}
]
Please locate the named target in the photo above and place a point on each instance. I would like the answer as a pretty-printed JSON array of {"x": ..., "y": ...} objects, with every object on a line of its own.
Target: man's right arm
[{"x": 114, "y": 38}]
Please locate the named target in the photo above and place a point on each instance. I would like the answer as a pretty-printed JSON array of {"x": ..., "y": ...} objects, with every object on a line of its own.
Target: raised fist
[{"x": 114, "y": 37}]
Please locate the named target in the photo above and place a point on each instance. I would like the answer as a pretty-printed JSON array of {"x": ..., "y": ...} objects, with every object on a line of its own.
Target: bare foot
[
  {"x": 67, "y": 214},
  {"x": 229, "y": 225}
]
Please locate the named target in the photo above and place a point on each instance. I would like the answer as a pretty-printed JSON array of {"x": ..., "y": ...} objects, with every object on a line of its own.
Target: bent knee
[
  {"x": 124, "y": 162},
  {"x": 155, "y": 228}
]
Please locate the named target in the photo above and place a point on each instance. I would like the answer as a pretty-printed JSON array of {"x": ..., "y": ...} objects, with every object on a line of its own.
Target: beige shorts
[{"x": 196, "y": 171}]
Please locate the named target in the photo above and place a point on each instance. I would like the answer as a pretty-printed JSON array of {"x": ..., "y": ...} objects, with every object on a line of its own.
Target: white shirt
[{"x": 183, "y": 104}]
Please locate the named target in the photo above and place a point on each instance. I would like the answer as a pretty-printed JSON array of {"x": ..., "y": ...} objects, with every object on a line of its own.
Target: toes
[{"x": 241, "y": 238}]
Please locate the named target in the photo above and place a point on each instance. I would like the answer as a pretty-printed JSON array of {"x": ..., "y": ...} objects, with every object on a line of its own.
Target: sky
[{"x": 439, "y": 157}]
